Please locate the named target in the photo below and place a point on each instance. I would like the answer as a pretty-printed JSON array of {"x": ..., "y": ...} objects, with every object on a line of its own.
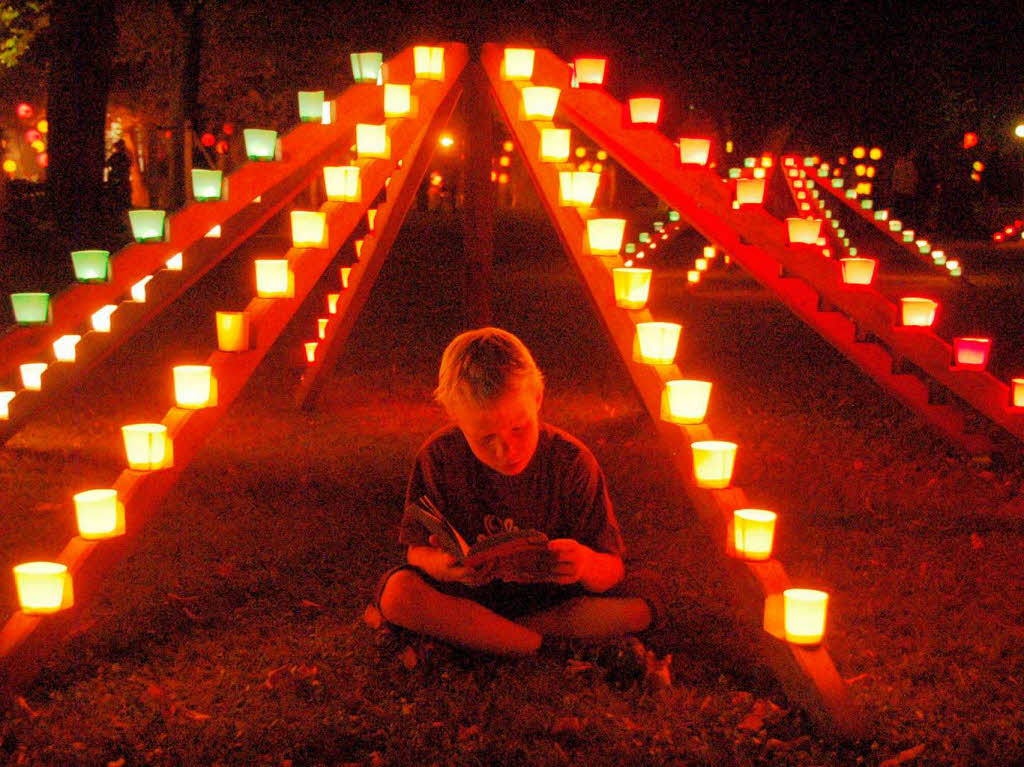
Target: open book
[{"x": 517, "y": 555}]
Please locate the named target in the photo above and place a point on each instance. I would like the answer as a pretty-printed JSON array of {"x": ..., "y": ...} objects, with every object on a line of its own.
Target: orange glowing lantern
[
  {"x": 371, "y": 216},
  {"x": 554, "y": 144},
  {"x": 274, "y": 278},
  {"x": 805, "y": 611},
  {"x": 321, "y": 327},
  {"x": 101, "y": 318},
  {"x": 588, "y": 71},
  {"x": 540, "y": 102},
  {"x": 175, "y": 263},
  {"x": 971, "y": 353},
  {"x": 99, "y": 514},
  {"x": 233, "y": 331},
  {"x": 644, "y": 110},
  {"x": 346, "y": 272},
  {"x": 138, "y": 290},
  {"x": 195, "y": 387},
  {"x": 694, "y": 151},
  {"x": 147, "y": 446},
  {"x": 656, "y": 342},
  {"x": 604, "y": 236},
  {"x": 917, "y": 312},
  {"x": 397, "y": 100},
  {"x": 700, "y": 264},
  {"x": 753, "y": 533},
  {"x": 373, "y": 141},
  {"x": 332, "y": 302},
  {"x": 428, "y": 62},
  {"x": 517, "y": 64},
  {"x": 684, "y": 401},
  {"x": 43, "y": 587},
  {"x": 692, "y": 277},
  {"x": 713, "y": 462},
  {"x": 32, "y": 375},
  {"x": 310, "y": 348},
  {"x": 1016, "y": 392},
  {"x": 858, "y": 271},
  {"x": 804, "y": 231},
  {"x": 577, "y": 188},
  {"x": 632, "y": 286},
  {"x": 341, "y": 183},
  {"x": 5, "y": 404},
  {"x": 750, "y": 191},
  {"x": 358, "y": 245},
  {"x": 64, "y": 348},
  {"x": 309, "y": 229}
]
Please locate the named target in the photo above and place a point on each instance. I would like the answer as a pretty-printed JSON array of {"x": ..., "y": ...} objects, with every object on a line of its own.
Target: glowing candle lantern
[
  {"x": 346, "y": 272},
  {"x": 64, "y": 348},
  {"x": 632, "y": 286},
  {"x": 971, "y": 353},
  {"x": 207, "y": 184},
  {"x": 858, "y": 271},
  {"x": 371, "y": 216},
  {"x": 554, "y": 144},
  {"x": 692, "y": 277},
  {"x": 428, "y": 62},
  {"x": 708, "y": 252},
  {"x": 577, "y": 188},
  {"x": 804, "y": 231},
  {"x": 908, "y": 235},
  {"x": 311, "y": 106},
  {"x": 332, "y": 302},
  {"x": 327, "y": 115},
  {"x": 644, "y": 110},
  {"x": 31, "y": 308},
  {"x": 101, "y": 318},
  {"x": 233, "y": 331},
  {"x": 805, "y": 611},
  {"x": 91, "y": 265},
  {"x": 694, "y": 151},
  {"x": 99, "y": 514},
  {"x": 309, "y": 229},
  {"x": 604, "y": 236},
  {"x": 175, "y": 262},
  {"x": 32, "y": 375},
  {"x": 147, "y": 446},
  {"x": 673, "y": 216},
  {"x": 517, "y": 64},
  {"x": 750, "y": 191},
  {"x": 148, "y": 225},
  {"x": 341, "y": 183},
  {"x": 588, "y": 71},
  {"x": 685, "y": 401},
  {"x": 367, "y": 66},
  {"x": 260, "y": 144},
  {"x": 372, "y": 141},
  {"x": 321, "y": 327},
  {"x": 540, "y": 102},
  {"x": 1016, "y": 392},
  {"x": 274, "y": 278},
  {"x": 397, "y": 100},
  {"x": 358, "y": 246},
  {"x": 194, "y": 386},
  {"x": 713, "y": 461},
  {"x": 43, "y": 587},
  {"x": 700, "y": 264},
  {"x": 753, "y": 533},
  {"x": 310, "y": 348},
  {"x": 656, "y": 342},
  {"x": 5, "y": 404}
]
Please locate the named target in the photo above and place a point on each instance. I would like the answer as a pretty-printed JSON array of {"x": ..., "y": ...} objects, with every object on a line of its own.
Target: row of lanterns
[{"x": 683, "y": 401}]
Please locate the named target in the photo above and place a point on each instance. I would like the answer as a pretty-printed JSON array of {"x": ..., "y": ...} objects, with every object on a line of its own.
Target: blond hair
[{"x": 479, "y": 366}]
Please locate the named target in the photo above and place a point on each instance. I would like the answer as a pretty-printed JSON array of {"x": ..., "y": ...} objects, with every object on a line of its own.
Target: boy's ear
[{"x": 540, "y": 399}]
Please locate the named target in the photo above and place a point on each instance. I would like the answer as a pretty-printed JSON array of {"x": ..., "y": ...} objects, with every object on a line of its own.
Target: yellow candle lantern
[
  {"x": 233, "y": 331},
  {"x": 321, "y": 327},
  {"x": 685, "y": 401},
  {"x": 656, "y": 342},
  {"x": 858, "y": 271},
  {"x": 346, "y": 272},
  {"x": 397, "y": 100},
  {"x": 101, "y": 318},
  {"x": 588, "y": 71},
  {"x": 577, "y": 188},
  {"x": 713, "y": 462},
  {"x": 358, "y": 246},
  {"x": 604, "y": 236},
  {"x": 708, "y": 252},
  {"x": 274, "y": 278},
  {"x": 700, "y": 264},
  {"x": 64, "y": 348},
  {"x": 332, "y": 302},
  {"x": 971, "y": 353},
  {"x": 194, "y": 386},
  {"x": 805, "y": 612},
  {"x": 309, "y": 229},
  {"x": 644, "y": 110},
  {"x": 805, "y": 231},
  {"x": 371, "y": 217},
  {"x": 1016, "y": 392},
  {"x": 428, "y": 62},
  {"x": 341, "y": 183},
  {"x": 5, "y": 404},
  {"x": 147, "y": 446},
  {"x": 753, "y": 533},
  {"x": 99, "y": 514},
  {"x": 517, "y": 64},
  {"x": 554, "y": 144},
  {"x": 32, "y": 375},
  {"x": 138, "y": 290},
  {"x": 373, "y": 141},
  {"x": 749, "y": 191},
  {"x": 43, "y": 587},
  {"x": 540, "y": 102},
  {"x": 692, "y": 277},
  {"x": 694, "y": 151},
  {"x": 310, "y": 347},
  {"x": 632, "y": 286},
  {"x": 917, "y": 312}
]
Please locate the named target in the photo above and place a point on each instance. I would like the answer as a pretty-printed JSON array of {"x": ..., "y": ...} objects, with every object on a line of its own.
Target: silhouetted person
[{"x": 119, "y": 186}]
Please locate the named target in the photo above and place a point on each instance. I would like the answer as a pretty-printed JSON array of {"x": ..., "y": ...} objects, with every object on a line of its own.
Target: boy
[{"x": 499, "y": 468}]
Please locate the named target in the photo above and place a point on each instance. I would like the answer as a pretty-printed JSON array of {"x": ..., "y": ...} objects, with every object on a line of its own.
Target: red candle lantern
[
  {"x": 971, "y": 353},
  {"x": 1017, "y": 392}
]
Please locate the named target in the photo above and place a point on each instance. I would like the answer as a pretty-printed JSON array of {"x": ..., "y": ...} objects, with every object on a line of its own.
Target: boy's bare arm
[{"x": 578, "y": 563}]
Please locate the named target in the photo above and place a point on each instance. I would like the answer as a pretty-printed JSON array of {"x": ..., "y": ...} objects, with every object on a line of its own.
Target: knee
[{"x": 400, "y": 594}]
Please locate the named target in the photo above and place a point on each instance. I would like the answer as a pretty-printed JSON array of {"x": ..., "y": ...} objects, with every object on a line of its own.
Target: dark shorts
[{"x": 514, "y": 600}]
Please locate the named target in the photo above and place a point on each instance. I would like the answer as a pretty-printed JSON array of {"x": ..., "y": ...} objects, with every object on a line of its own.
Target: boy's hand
[
  {"x": 441, "y": 565},
  {"x": 573, "y": 560}
]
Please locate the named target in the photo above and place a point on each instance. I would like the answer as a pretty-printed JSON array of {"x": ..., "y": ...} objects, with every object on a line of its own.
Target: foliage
[{"x": 22, "y": 21}]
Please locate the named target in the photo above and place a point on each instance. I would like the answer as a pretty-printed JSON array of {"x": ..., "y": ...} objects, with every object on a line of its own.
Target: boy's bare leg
[
  {"x": 591, "y": 617},
  {"x": 410, "y": 602}
]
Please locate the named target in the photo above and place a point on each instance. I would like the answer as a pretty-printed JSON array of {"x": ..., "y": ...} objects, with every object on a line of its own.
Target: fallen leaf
[
  {"x": 904, "y": 756},
  {"x": 176, "y": 598},
  {"x": 304, "y": 672},
  {"x": 309, "y": 603},
  {"x": 28, "y": 709},
  {"x": 409, "y": 658},
  {"x": 272, "y": 677},
  {"x": 373, "y": 617},
  {"x": 199, "y": 717},
  {"x": 566, "y": 725},
  {"x": 774, "y": 744},
  {"x": 976, "y": 542},
  {"x": 465, "y": 733},
  {"x": 116, "y": 763},
  {"x": 855, "y": 679},
  {"x": 751, "y": 722}
]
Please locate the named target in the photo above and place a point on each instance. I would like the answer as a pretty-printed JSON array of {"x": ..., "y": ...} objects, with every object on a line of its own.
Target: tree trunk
[
  {"x": 84, "y": 34},
  {"x": 185, "y": 112}
]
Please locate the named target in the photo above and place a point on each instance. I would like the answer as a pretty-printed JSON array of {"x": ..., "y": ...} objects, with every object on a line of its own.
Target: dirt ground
[{"x": 235, "y": 634}]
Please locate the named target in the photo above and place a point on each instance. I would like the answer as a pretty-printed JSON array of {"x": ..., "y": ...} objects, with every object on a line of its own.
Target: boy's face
[{"x": 502, "y": 435}]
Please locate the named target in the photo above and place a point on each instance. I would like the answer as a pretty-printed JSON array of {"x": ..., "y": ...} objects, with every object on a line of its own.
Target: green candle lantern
[
  {"x": 366, "y": 66},
  {"x": 260, "y": 144},
  {"x": 91, "y": 265},
  {"x": 31, "y": 308},
  {"x": 207, "y": 185},
  {"x": 148, "y": 225},
  {"x": 311, "y": 106}
]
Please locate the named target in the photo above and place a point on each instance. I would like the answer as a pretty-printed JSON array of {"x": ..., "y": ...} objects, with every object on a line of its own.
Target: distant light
[
  {"x": 508, "y": 146},
  {"x": 859, "y": 152},
  {"x": 208, "y": 139},
  {"x": 602, "y": 155},
  {"x": 875, "y": 153},
  {"x": 504, "y": 161},
  {"x": 446, "y": 140},
  {"x": 24, "y": 110},
  {"x": 503, "y": 178},
  {"x": 581, "y": 152},
  {"x": 970, "y": 139},
  {"x": 978, "y": 166},
  {"x": 1019, "y": 131}
]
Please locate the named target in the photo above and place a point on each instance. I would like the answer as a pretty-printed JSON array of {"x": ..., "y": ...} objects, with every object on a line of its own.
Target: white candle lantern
[
  {"x": 175, "y": 262},
  {"x": 99, "y": 514},
  {"x": 428, "y": 62},
  {"x": 632, "y": 286},
  {"x": 656, "y": 342},
  {"x": 588, "y": 71},
  {"x": 694, "y": 151},
  {"x": 138, "y": 290},
  {"x": 341, "y": 183},
  {"x": 321, "y": 327},
  {"x": 577, "y": 188},
  {"x": 310, "y": 349},
  {"x": 917, "y": 312},
  {"x": 274, "y": 278},
  {"x": 713, "y": 462},
  {"x": 604, "y": 236},
  {"x": 233, "y": 331},
  {"x": 685, "y": 401},
  {"x": 147, "y": 446},
  {"x": 43, "y": 587},
  {"x": 517, "y": 64},
  {"x": 554, "y": 144},
  {"x": 101, "y": 318},
  {"x": 372, "y": 141},
  {"x": 805, "y": 614},
  {"x": 753, "y": 533},
  {"x": 194, "y": 387},
  {"x": 858, "y": 271},
  {"x": 64, "y": 348},
  {"x": 32, "y": 375},
  {"x": 332, "y": 302},
  {"x": 397, "y": 100},
  {"x": 309, "y": 229},
  {"x": 540, "y": 102},
  {"x": 644, "y": 110}
]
